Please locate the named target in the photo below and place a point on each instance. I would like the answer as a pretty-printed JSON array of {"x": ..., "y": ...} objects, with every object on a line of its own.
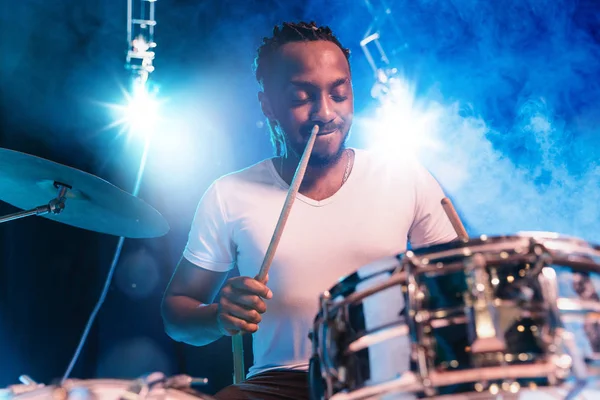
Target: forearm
[{"x": 189, "y": 321}]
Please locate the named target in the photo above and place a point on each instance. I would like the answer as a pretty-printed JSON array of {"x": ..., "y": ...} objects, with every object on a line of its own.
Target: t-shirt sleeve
[
  {"x": 210, "y": 244},
  {"x": 431, "y": 224}
]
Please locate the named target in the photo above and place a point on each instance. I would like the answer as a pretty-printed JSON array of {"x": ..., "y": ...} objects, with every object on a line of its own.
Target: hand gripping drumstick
[
  {"x": 454, "y": 219},
  {"x": 237, "y": 342}
]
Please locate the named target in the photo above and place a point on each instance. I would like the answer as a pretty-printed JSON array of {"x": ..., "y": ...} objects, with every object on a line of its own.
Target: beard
[
  {"x": 322, "y": 154},
  {"x": 321, "y": 160}
]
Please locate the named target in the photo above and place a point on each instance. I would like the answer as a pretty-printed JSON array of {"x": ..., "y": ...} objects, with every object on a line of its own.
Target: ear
[{"x": 266, "y": 106}]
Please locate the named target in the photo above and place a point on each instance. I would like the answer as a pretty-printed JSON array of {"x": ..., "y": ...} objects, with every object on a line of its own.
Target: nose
[{"x": 323, "y": 110}]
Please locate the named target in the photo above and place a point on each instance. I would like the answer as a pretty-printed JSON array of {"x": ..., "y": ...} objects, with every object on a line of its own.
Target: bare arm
[{"x": 188, "y": 311}]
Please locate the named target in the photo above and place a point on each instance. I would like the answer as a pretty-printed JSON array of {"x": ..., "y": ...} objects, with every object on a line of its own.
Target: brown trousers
[{"x": 270, "y": 385}]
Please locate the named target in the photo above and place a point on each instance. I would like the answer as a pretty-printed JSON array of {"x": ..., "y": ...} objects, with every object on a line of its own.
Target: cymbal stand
[{"x": 55, "y": 206}]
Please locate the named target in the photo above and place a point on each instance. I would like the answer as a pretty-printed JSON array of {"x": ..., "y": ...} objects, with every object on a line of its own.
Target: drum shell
[{"x": 385, "y": 357}]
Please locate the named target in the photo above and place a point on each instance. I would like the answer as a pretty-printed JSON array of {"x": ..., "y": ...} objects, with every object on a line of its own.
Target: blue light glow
[{"x": 499, "y": 102}]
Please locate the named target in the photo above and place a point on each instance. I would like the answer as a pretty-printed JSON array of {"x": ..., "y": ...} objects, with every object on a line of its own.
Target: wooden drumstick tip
[{"x": 454, "y": 219}]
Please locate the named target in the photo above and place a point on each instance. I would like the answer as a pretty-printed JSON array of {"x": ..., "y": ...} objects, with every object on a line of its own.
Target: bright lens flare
[
  {"x": 139, "y": 116},
  {"x": 402, "y": 123},
  {"x": 141, "y": 113}
]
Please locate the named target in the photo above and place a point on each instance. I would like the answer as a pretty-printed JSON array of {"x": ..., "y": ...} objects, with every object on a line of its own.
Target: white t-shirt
[{"x": 381, "y": 206}]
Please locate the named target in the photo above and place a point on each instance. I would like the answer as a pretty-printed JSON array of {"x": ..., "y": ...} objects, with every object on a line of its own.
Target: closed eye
[{"x": 339, "y": 99}]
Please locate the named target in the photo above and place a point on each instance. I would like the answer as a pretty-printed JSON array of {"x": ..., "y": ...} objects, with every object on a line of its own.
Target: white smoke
[{"x": 511, "y": 96}]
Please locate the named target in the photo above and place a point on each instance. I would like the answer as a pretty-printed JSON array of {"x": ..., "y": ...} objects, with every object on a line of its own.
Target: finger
[
  {"x": 224, "y": 330},
  {"x": 231, "y": 323},
  {"x": 253, "y": 286},
  {"x": 247, "y": 301},
  {"x": 265, "y": 281},
  {"x": 247, "y": 315}
]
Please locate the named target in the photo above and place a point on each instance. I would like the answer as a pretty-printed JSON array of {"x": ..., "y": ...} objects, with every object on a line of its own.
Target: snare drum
[
  {"x": 513, "y": 315},
  {"x": 176, "y": 388}
]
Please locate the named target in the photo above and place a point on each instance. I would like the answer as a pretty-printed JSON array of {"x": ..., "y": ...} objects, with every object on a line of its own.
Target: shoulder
[
  {"x": 237, "y": 190},
  {"x": 399, "y": 166},
  {"x": 256, "y": 174}
]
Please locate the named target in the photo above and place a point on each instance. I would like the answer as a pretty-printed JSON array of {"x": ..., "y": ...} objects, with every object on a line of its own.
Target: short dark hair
[
  {"x": 290, "y": 32},
  {"x": 287, "y": 33}
]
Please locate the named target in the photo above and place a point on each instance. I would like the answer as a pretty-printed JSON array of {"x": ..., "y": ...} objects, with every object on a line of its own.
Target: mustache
[{"x": 328, "y": 127}]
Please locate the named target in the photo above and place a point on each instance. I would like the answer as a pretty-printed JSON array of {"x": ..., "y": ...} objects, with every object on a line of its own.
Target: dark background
[{"x": 514, "y": 86}]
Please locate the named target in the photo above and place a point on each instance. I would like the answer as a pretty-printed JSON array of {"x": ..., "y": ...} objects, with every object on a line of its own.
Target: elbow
[
  {"x": 176, "y": 326},
  {"x": 169, "y": 322},
  {"x": 172, "y": 331}
]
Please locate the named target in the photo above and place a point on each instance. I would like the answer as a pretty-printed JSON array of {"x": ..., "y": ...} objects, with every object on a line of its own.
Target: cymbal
[{"x": 92, "y": 203}]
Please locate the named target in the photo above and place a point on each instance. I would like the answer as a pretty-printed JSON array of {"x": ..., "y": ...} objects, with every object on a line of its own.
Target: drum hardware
[
  {"x": 549, "y": 286},
  {"x": 522, "y": 275},
  {"x": 562, "y": 339},
  {"x": 77, "y": 198},
  {"x": 27, "y": 385},
  {"x": 420, "y": 342},
  {"x": 578, "y": 364},
  {"x": 340, "y": 330},
  {"x": 54, "y": 206},
  {"x": 480, "y": 306},
  {"x": 378, "y": 335},
  {"x": 409, "y": 382},
  {"x": 141, "y": 387},
  {"x": 81, "y": 200},
  {"x": 324, "y": 300},
  {"x": 183, "y": 381},
  {"x": 26, "y": 380},
  {"x": 395, "y": 279},
  {"x": 145, "y": 387}
]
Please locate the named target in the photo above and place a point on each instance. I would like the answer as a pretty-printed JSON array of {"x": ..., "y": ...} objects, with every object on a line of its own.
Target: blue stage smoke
[{"x": 516, "y": 85}]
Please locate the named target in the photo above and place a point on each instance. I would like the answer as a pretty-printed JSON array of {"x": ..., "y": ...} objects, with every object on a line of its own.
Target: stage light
[
  {"x": 400, "y": 122},
  {"x": 138, "y": 115},
  {"x": 141, "y": 114}
]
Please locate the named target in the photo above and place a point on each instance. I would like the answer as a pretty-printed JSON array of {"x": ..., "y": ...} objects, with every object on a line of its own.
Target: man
[{"x": 352, "y": 209}]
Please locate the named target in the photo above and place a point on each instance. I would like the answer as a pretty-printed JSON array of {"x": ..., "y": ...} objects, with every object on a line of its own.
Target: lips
[{"x": 328, "y": 132}]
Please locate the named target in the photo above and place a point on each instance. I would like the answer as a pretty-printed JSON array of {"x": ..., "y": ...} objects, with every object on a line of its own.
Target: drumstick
[
  {"x": 237, "y": 342},
  {"x": 287, "y": 206},
  {"x": 454, "y": 219}
]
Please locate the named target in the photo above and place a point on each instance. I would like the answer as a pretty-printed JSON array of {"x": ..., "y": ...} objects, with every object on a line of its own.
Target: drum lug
[
  {"x": 417, "y": 319},
  {"x": 549, "y": 287},
  {"x": 488, "y": 337}
]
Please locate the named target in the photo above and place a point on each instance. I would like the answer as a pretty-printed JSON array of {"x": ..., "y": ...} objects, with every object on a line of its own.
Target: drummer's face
[{"x": 312, "y": 86}]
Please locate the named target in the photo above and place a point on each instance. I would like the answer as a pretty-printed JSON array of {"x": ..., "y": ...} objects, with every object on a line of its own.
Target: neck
[{"x": 320, "y": 181}]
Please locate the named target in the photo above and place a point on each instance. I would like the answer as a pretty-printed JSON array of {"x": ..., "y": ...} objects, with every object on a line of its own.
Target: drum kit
[{"x": 502, "y": 317}]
